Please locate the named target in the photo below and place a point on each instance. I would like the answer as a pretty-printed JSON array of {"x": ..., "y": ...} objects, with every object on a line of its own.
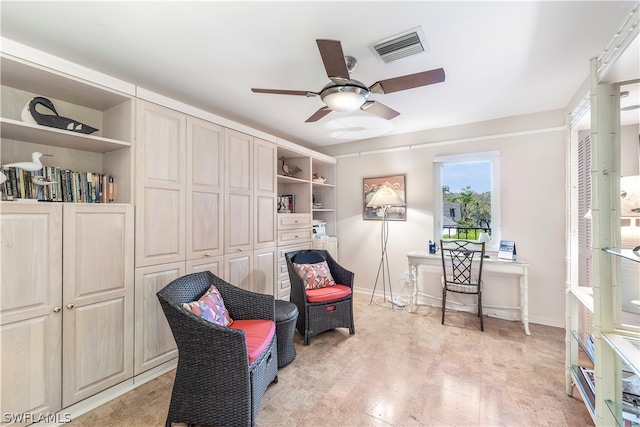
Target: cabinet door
[
  {"x": 330, "y": 244},
  {"x": 265, "y": 189},
  {"x": 264, "y": 271},
  {"x": 154, "y": 340},
  {"x": 238, "y": 268},
  {"x": 213, "y": 264},
  {"x": 30, "y": 301},
  {"x": 238, "y": 152},
  {"x": 160, "y": 185},
  {"x": 205, "y": 146},
  {"x": 97, "y": 297}
]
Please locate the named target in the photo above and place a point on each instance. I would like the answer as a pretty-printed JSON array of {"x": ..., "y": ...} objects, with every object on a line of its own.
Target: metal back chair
[{"x": 462, "y": 270}]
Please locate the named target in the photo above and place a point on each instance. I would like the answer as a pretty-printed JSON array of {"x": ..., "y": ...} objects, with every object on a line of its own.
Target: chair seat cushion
[
  {"x": 258, "y": 334},
  {"x": 329, "y": 293}
]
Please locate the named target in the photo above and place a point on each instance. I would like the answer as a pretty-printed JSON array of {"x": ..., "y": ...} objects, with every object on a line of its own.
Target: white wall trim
[{"x": 455, "y": 141}]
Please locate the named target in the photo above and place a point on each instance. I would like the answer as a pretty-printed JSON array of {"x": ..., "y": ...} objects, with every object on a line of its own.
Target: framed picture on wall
[{"x": 394, "y": 213}]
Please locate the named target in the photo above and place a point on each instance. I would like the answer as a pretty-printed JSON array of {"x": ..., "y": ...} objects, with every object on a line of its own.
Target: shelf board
[
  {"x": 623, "y": 413},
  {"x": 291, "y": 180},
  {"x": 28, "y": 132},
  {"x": 324, "y": 210},
  {"x": 583, "y": 294},
  {"x": 628, "y": 348},
  {"x": 322, "y": 184},
  {"x": 623, "y": 253}
]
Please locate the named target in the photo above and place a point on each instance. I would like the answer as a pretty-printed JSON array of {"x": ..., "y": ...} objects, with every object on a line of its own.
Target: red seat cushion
[
  {"x": 329, "y": 293},
  {"x": 258, "y": 334}
]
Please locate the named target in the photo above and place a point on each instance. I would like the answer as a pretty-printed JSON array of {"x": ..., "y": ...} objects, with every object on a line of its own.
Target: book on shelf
[
  {"x": 63, "y": 185},
  {"x": 587, "y": 382}
]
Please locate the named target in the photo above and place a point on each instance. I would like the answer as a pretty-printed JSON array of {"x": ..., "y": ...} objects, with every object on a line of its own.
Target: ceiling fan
[{"x": 345, "y": 94}]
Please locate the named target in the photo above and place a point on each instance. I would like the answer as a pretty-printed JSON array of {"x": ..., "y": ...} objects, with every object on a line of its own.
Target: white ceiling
[{"x": 500, "y": 58}]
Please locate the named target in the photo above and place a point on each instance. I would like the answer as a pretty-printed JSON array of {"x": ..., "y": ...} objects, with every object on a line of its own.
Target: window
[{"x": 467, "y": 197}]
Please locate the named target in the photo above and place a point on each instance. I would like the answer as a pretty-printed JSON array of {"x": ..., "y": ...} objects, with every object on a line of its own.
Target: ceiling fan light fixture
[{"x": 344, "y": 98}]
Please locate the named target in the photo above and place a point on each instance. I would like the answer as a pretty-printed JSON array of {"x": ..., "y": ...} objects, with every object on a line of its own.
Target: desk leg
[
  {"x": 524, "y": 299},
  {"x": 413, "y": 271}
]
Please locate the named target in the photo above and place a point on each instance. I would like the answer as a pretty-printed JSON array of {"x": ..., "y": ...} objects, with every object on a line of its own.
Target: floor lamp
[{"x": 384, "y": 198}]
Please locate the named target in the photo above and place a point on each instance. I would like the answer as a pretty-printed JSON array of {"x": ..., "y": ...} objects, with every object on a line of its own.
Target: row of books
[{"x": 53, "y": 184}]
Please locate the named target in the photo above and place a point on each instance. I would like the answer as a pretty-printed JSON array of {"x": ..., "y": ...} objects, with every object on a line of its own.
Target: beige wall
[{"x": 533, "y": 209}]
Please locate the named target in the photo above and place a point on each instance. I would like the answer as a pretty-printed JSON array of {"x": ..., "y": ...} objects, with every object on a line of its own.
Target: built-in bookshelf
[{"x": 105, "y": 152}]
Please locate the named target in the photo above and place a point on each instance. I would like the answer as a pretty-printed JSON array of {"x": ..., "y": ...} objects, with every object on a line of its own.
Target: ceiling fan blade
[
  {"x": 285, "y": 92},
  {"x": 379, "y": 109},
  {"x": 630, "y": 107},
  {"x": 333, "y": 59},
  {"x": 409, "y": 81},
  {"x": 318, "y": 115}
]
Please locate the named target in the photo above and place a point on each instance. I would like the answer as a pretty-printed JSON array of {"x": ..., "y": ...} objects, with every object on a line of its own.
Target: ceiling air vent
[{"x": 401, "y": 45}]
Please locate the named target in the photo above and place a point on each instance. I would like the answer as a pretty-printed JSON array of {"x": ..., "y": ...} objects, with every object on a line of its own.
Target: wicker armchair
[
  {"x": 214, "y": 383},
  {"x": 317, "y": 317}
]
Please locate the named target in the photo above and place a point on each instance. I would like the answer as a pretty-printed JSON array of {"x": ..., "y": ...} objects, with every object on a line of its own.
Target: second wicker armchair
[{"x": 324, "y": 310}]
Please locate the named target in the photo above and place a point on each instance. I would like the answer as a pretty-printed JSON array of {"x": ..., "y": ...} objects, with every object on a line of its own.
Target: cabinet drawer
[
  {"x": 288, "y": 248},
  {"x": 290, "y": 221},
  {"x": 282, "y": 270},
  {"x": 294, "y": 236}
]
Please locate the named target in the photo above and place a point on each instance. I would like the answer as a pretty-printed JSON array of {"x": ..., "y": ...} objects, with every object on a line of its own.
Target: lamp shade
[
  {"x": 385, "y": 196},
  {"x": 484, "y": 238}
]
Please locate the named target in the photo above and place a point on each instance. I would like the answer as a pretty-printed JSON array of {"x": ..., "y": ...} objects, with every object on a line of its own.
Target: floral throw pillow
[
  {"x": 315, "y": 275},
  {"x": 210, "y": 307}
]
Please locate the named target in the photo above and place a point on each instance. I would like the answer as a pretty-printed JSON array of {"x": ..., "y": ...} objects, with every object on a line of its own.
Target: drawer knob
[{"x": 207, "y": 254}]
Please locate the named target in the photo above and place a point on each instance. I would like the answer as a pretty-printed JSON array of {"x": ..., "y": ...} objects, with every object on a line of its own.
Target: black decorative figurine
[{"x": 55, "y": 120}]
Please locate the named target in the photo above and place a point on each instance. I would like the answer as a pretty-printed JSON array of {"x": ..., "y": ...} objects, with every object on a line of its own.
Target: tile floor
[{"x": 400, "y": 369}]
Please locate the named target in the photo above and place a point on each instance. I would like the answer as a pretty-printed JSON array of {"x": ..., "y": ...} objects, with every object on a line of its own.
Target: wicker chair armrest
[{"x": 340, "y": 274}]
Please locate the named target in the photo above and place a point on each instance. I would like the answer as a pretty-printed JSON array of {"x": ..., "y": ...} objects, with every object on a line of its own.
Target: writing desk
[{"x": 519, "y": 267}]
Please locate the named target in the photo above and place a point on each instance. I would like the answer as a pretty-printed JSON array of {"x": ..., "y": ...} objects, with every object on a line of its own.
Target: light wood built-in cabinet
[
  {"x": 67, "y": 303},
  {"x": 250, "y": 212},
  {"x": 205, "y": 189},
  {"x": 79, "y": 316},
  {"x": 31, "y": 308},
  {"x": 313, "y": 189},
  {"x": 154, "y": 341},
  {"x": 160, "y": 184},
  {"x": 66, "y": 310}
]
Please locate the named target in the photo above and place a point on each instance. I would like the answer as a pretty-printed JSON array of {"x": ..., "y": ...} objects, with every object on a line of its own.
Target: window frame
[{"x": 496, "y": 223}]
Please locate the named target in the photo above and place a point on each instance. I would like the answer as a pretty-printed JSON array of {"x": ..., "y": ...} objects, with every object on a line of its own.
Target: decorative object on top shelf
[
  {"x": 394, "y": 212},
  {"x": 318, "y": 179},
  {"x": 289, "y": 169},
  {"x": 30, "y": 114}
]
